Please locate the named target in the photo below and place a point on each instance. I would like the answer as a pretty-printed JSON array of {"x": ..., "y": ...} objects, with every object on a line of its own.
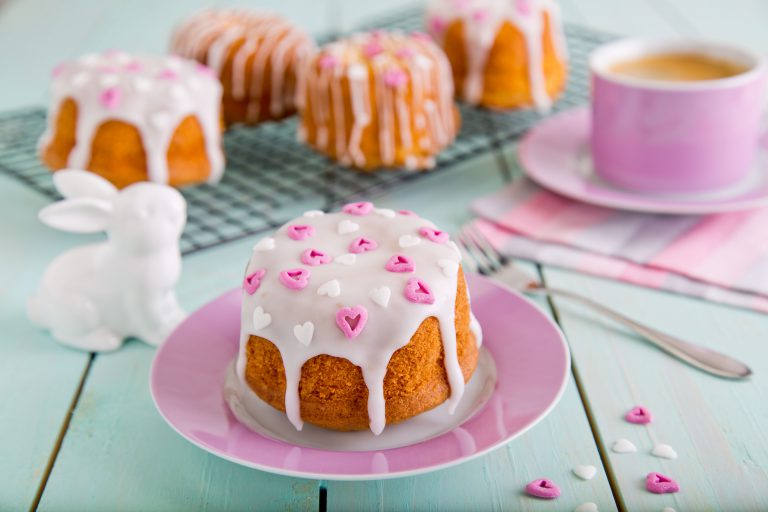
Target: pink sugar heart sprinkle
[
  {"x": 359, "y": 208},
  {"x": 400, "y": 263},
  {"x": 434, "y": 235},
  {"x": 409, "y": 213},
  {"x": 639, "y": 415},
  {"x": 133, "y": 66},
  {"x": 372, "y": 49},
  {"x": 328, "y": 61},
  {"x": 418, "y": 292},
  {"x": 461, "y": 4},
  {"x": 404, "y": 53},
  {"x": 167, "y": 74},
  {"x": 362, "y": 244},
  {"x": 480, "y": 15},
  {"x": 660, "y": 484},
  {"x": 351, "y": 320},
  {"x": 300, "y": 232},
  {"x": 437, "y": 24},
  {"x": 313, "y": 257},
  {"x": 523, "y": 7},
  {"x": 295, "y": 278},
  {"x": 110, "y": 97},
  {"x": 252, "y": 281},
  {"x": 543, "y": 488},
  {"x": 204, "y": 70},
  {"x": 395, "y": 78}
]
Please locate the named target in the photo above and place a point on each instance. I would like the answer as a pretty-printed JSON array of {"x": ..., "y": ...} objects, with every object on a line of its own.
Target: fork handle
[{"x": 703, "y": 358}]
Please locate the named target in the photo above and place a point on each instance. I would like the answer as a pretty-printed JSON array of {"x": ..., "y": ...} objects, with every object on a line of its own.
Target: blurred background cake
[
  {"x": 504, "y": 53},
  {"x": 254, "y": 54},
  {"x": 378, "y": 99},
  {"x": 133, "y": 119}
]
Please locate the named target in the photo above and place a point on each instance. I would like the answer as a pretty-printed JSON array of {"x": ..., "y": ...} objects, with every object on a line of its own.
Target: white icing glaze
[
  {"x": 153, "y": 94},
  {"x": 482, "y": 20},
  {"x": 391, "y": 318},
  {"x": 381, "y": 69},
  {"x": 265, "y": 41}
]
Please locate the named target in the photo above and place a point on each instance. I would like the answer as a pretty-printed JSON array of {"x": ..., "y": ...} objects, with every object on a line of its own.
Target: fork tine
[
  {"x": 471, "y": 240},
  {"x": 482, "y": 264},
  {"x": 486, "y": 245}
]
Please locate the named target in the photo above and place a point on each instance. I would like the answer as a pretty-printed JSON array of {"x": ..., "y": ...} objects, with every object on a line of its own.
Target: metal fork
[{"x": 491, "y": 262}]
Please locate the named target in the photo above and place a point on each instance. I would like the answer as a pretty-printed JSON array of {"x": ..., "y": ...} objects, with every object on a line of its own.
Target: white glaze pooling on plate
[
  {"x": 380, "y": 70},
  {"x": 388, "y": 328},
  {"x": 482, "y": 20},
  {"x": 260, "y": 44},
  {"x": 153, "y": 94}
]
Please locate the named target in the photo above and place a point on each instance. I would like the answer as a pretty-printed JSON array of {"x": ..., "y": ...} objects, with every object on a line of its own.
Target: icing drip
[
  {"x": 358, "y": 311},
  {"x": 153, "y": 94},
  {"x": 481, "y": 21},
  {"x": 401, "y": 82},
  {"x": 259, "y": 45}
]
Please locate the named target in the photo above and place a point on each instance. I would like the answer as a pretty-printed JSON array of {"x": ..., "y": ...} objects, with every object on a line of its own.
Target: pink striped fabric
[{"x": 721, "y": 258}]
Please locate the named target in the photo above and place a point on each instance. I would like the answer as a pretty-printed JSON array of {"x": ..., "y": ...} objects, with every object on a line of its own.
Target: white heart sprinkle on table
[
  {"x": 668, "y": 509},
  {"x": 664, "y": 451},
  {"x": 347, "y": 226},
  {"x": 585, "y": 472},
  {"x": 586, "y": 507},
  {"x": 330, "y": 288},
  {"x": 261, "y": 319},
  {"x": 409, "y": 241},
  {"x": 624, "y": 446},
  {"x": 450, "y": 267},
  {"x": 346, "y": 259},
  {"x": 304, "y": 333},
  {"x": 265, "y": 244},
  {"x": 381, "y": 295},
  {"x": 314, "y": 213}
]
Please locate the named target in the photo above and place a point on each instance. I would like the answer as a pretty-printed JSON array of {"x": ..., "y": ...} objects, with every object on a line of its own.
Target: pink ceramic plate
[
  {"x": 530, "y": 353},
  {"x": 555, "y": 154}
]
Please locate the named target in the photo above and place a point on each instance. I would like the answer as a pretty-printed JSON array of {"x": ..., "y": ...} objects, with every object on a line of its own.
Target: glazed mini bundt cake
[
  {"x": 504, "y": 53},
  {"x": 254, "y": 54},
  {"x": 381, "y": 99},
  {"x": 355, "y": 320},
  {"x": 133, "y": 119}
]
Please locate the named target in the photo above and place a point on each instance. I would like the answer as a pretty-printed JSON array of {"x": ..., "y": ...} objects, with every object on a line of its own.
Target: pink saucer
[
  {"x": 530, "y": 354},
  {"x": 555, "y": 154}
]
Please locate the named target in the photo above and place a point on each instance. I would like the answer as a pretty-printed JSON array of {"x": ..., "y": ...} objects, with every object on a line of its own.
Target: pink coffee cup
[{"x": 675, "y": 136}]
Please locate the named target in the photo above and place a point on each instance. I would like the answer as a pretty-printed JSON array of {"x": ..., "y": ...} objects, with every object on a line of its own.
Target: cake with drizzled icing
[
  {"x": 504, "y": 53},
  {"x": 378, "y": 99},
  {"x": 356, "y": 319},
  {"x": 130, "y": 119},
  {"x": 254, "y": 54}
]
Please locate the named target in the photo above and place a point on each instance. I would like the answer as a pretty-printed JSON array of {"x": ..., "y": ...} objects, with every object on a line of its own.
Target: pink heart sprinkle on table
[
  {"x": 362, "y": 244},
  {"x": 639, "y": 415},
  {"x": 295, "y": 279},
  {"x": 400, "y": 263},
  {"x": 252, "y": 281},
  {"x": 660, "y": 484},
  {"x": 352, "y": 320},
  {"x": 543, "y": 488},
  {"x": 313, "y": 257},
  {"x": 418, "y": 292},
  {"x": 300, "y": 232}
]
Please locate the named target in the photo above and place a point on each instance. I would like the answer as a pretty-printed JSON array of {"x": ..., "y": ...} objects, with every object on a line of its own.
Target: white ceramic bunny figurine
[{"x": 94, "y": 296}]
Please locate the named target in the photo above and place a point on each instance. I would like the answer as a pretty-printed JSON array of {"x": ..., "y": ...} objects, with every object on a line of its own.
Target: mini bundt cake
[
  {"x": 504, "y": 53},
  {"x": 378, "y": 99},
  {"x": 356, "y": 319},
  {"x": 133, "y": 119},
  {"x": 254, "y": 54}
]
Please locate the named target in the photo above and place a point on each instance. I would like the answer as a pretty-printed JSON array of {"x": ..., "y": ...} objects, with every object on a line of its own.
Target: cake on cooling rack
[
  {"x": 356, "y": 319},
  {"x": 504, "y": 53},
  {"x": 379, "y": 99},
  {"x": 254, "y": 54},
  {"x": 133, "y": 119}
]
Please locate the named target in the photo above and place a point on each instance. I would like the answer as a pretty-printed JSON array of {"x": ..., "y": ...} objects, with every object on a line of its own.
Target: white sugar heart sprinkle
[
  {"x": 624, "y": 446},
  {"x": 261, "y": 319},
  {"x": 108, "y": 80},
  {"x": 385, "y": 212},
  {"x": 409, "y": 241},
  {"x": 585, "y": 472},
  {"x": 450, "y": 267},
  {"x": 265, "y": 244},
  {"x": 304, "y": 332},
  {"x": 330, "y": 288},
  {"x": 668, "y": 509},
  {"x": 381, "y": 295},
  {"x": 142, "y": 84},
  {"x": 80, "y": 79},
  {"x": 314, "y": 213},
  {"x": 664, "y": 451},
  {"x": 346, "y": 259},
  {"x": 347, "y": 226},
  {"x": 586, "y": 507},
  {"x": 160, "y": 120}
]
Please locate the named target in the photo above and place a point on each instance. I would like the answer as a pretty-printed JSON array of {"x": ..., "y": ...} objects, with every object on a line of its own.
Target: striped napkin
[{"x": 721, "y": 258}]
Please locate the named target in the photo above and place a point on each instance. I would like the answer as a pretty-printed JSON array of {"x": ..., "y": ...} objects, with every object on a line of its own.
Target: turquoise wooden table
[{"x": 79, "y": 432}]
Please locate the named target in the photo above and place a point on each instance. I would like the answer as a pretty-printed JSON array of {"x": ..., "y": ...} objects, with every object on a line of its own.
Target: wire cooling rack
[{"x": 270, "y": 177}]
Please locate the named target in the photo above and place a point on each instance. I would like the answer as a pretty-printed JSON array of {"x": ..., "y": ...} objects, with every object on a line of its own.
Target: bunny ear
[
  {"x": 73, "y": 183},
  {"x": 79, "y": 215}
]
